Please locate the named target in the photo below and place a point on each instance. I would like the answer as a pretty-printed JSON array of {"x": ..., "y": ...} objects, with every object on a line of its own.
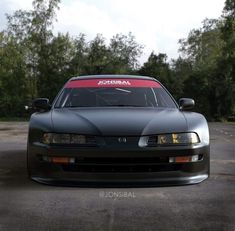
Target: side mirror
[
  {"x": 186, "y": 103},
  {"x": 41, "y": 104}
]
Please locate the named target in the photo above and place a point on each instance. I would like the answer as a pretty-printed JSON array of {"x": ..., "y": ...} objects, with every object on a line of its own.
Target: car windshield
[{"x": 119, "y": 93}]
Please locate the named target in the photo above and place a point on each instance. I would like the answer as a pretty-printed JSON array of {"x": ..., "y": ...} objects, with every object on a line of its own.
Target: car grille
[
  {"x": 155, "y": 164},
  {"x": 91, "y": 141}
]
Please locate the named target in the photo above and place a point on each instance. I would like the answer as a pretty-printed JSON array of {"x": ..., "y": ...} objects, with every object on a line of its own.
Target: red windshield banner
[{"x": 112, "y": 83}]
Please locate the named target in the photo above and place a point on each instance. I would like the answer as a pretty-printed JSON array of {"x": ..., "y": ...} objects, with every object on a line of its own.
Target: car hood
[{"x": 118, "y": 121}]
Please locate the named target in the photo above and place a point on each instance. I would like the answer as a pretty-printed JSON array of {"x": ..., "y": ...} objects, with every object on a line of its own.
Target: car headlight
[
  {"x": 178, "y": 138},
  {"x": 56, "y": 138}
]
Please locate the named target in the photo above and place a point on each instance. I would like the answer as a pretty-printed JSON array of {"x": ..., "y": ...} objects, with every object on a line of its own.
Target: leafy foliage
[{"x": 36, "y": 63}]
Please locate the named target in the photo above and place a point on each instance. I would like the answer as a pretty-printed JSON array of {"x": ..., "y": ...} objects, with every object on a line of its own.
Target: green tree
[
  {"x": 97, "y": 56},
  {"x": 203, "y": 49},
  {"x": 125, "y": 52},
  {"x": 203, "y": 46},
  {"x": 181, "y": 70},
  {"x": 13, "y": 86},
  {"x": 55, "y": 69},
  {"x": 32, "y": 30},
  {"x": 224, "y": 81},
  {"x": 157, "y": 67},
  {"x": 120, "y": 56},
  {"x": 79, "y": 58}
]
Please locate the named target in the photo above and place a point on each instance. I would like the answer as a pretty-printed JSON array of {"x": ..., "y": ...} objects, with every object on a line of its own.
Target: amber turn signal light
[
  {"x": 184, "y": 159},
  {"x": 59, "y": 159}
]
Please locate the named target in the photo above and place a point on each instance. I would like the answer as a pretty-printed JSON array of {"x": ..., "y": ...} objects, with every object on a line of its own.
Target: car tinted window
[{"x": 115, "y": 95}]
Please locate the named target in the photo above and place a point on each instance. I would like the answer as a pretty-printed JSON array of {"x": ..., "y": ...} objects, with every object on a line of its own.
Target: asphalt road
[{"x": 26, "y": 205}]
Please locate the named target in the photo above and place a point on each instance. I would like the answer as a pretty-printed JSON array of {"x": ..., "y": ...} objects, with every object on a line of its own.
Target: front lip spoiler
[{"x": 172, "y": 181}]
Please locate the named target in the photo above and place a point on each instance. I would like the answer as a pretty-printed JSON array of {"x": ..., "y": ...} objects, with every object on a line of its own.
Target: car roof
[{"x": 112, "y": 77}]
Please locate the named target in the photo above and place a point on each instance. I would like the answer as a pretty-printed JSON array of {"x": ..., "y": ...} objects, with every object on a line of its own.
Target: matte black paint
[{"x": 117, "y": 122}]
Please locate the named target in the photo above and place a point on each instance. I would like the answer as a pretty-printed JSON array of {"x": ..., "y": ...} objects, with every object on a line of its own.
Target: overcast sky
[{"x": 156, "y": 24}]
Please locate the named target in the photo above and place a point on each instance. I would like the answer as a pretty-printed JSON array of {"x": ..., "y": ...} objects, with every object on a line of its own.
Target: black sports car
[{"x": 117, "y": 130}]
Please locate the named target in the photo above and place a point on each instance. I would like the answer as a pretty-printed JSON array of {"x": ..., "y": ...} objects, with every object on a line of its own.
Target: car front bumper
[{"x": 118, "y": 173}]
